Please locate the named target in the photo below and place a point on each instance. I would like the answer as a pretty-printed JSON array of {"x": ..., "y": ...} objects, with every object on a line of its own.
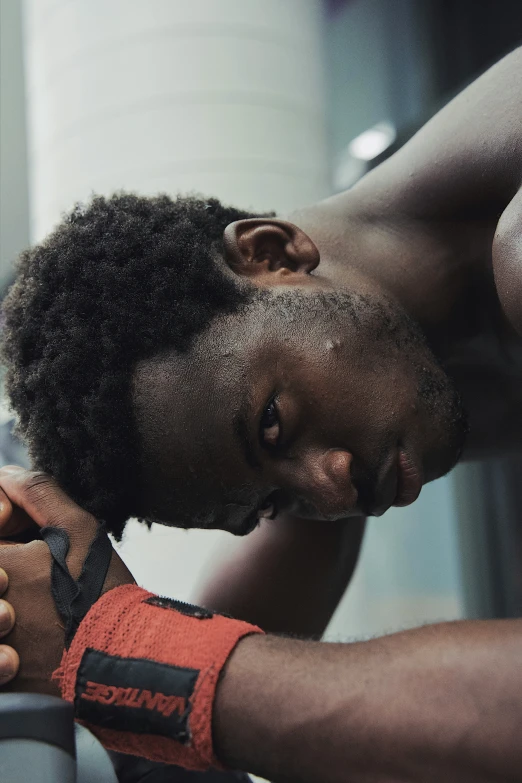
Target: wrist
[{"x": 142, "y": 673}]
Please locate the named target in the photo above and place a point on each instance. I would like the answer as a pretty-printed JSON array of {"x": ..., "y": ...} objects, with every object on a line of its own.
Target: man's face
[{"x": 322, "y": 403}]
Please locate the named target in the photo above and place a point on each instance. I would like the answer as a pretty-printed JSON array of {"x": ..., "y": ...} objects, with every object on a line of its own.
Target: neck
[{"x": 434, "y": 272}]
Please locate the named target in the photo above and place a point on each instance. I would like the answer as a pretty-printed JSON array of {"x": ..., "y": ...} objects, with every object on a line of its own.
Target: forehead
[
  {"x": 186, "y": 400},
  {"x": 225, "y": 361},
  {"x": 180, "y": 404},
  {"x": 186, "y": 408}
]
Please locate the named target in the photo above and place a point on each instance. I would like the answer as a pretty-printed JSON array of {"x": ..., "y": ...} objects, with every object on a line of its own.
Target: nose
[
  {"x": 324, "y": 479},
  {"x": 336, "y": 466}
]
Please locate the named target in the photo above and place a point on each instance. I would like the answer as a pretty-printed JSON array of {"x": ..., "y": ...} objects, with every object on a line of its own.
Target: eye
[{"x": 270, "y": 426}]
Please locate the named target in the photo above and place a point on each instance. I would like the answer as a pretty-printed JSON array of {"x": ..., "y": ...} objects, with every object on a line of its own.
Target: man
[{"x": 304, "y": 369}]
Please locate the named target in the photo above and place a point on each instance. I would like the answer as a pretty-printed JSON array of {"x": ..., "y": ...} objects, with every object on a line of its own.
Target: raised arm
[
  {"x": 288, "y": 576},
  {"x": 507, "y": 261},
  {"x": 452, "y": 193},
  {"x": 468, "y": 155}
]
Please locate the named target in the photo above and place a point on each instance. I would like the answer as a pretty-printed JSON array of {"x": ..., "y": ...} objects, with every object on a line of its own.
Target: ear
[{"x": 268, "y": 249}]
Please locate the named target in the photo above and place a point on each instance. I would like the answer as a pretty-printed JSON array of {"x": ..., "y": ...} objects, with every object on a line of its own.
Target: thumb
[
  {"x": 40, "y": 497},
  {"x": 14, "y": 522},
  {"x": 6, "y": 513}
]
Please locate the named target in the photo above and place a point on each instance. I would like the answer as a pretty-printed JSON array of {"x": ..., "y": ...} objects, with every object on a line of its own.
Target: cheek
[
  {"x": 347, "y": 398},
  {"x": 214, "y": 463}
]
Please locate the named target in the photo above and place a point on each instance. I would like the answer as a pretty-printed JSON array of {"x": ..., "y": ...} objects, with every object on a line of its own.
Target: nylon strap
[{"x": 72, "y": 598}]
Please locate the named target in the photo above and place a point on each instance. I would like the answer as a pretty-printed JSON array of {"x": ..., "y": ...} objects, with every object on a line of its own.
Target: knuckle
[
  {"x": 38, "y": 487},
  {"x": 7, "y": 618},
  {"x": 43, "y": 491},
  {"x": 9, "y": 663},
  {"x": 33, "y": 482},
  {"x": 42, "y": 494},
  {"x": 6, "y": 507}
]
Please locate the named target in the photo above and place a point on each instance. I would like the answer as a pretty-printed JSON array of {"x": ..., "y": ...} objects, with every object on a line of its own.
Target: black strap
[
  {"x": 73, "y": 599},
  {"x": 63, "y": 587},
  {"x": 94, "y": 572}
]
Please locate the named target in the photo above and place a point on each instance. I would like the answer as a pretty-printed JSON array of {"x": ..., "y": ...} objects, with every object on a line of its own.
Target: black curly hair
[{"x": 119, "y": 280}]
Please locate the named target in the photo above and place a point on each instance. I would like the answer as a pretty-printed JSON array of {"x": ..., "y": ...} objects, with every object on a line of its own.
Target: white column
[
  {"x": 223, "y": 97},
  {"x": 14, "y": 218}
]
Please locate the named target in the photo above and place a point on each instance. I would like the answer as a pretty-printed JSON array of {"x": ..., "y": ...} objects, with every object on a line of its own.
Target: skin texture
[
  {"x": 9, "y": 660},
  {"x": 438, "y": 225},
  {"x": 412, "y": 706},
  {"x": 351, "y": 379},
  {"x": 428, "y": 235},
  {"x": 35, "y": 498},
  {"x": 436, "y": 703}
]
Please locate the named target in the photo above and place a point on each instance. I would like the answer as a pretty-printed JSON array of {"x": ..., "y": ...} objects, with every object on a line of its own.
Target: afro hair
[{"x": 119, "y": 280}]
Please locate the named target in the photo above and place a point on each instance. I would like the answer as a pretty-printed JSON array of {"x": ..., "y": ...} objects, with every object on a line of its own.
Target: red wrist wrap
[{"x": 142, "y": 673}]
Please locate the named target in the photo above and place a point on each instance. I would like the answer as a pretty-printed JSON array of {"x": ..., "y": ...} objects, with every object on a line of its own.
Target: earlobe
[{"x": 267, "y": 246}]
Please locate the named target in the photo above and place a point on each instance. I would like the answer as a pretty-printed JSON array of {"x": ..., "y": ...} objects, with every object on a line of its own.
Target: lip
[
  {"x": 399, "y": 484},
  {"x": 409, "y": 480},
  {"x": 386, "y": 489}
]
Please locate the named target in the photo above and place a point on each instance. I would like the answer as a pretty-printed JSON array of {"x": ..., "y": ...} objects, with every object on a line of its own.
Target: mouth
[
  {"x": 399, "y": 483},
  {"x": 378, "y": 499},
  {"x": 409, "y": 479}
]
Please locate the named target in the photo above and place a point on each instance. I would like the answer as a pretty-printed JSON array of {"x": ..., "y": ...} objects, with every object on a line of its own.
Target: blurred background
[{"x": 267, "y": 104}]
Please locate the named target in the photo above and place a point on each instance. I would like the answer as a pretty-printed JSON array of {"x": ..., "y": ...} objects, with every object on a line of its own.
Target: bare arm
[
  {"x": 456, "y": 180},
  {"x": 440, "y": 703},
  {"x": 469, "y": 155},
  {"x": 507, "y": 261},
  {"x": 288, "y": 576}
]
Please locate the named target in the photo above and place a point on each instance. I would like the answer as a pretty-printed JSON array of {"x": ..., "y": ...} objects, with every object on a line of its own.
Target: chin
[
  {"x": 445, "y": 457},
  {"x": 243, "y": 528},
  {"x": 238, "y": 525}
]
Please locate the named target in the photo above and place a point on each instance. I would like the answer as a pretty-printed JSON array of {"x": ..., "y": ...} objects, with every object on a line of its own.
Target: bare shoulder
[
  {"x": 507, "y": 261},
  {"x": 467, "y": 158}
]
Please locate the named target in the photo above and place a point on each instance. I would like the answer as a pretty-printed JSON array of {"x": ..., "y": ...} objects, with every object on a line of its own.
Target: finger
[
  {"x": 6, "y": 510},
  {"x": 22, "y": 561},
  {"x": 13, "y": 520},
  {"x": 9, "y": 663},
  {"x": 44, "y": 501},
  {"x": 4, "y": 581},
  {"x": 7, "y": 618}
]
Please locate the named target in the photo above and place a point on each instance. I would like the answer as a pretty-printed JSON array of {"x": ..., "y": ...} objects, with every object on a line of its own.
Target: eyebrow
[{"x": 242, "y": 432}]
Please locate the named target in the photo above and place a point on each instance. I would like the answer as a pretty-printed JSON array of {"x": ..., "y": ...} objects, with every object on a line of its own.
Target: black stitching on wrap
[{"x": 73, "y": 599}]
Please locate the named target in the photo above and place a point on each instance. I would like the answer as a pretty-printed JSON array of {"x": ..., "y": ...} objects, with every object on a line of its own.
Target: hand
[
  {"x": 38, "y": 634},
  {"x": 9, "y": 661}
]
